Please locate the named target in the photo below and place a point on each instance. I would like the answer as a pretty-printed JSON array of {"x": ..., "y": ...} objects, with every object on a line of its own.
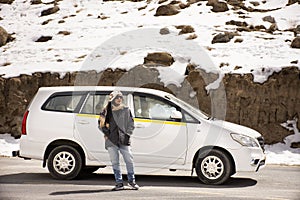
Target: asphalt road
[{"x": 20, "y": 179}]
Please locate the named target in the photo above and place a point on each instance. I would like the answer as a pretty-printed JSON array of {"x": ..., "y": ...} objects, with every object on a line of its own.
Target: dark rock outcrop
[{"x": 264, "y": 106}]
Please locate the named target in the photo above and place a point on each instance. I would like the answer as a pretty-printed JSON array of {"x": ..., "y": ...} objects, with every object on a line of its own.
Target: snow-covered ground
[{"x": 92, "y": 23}]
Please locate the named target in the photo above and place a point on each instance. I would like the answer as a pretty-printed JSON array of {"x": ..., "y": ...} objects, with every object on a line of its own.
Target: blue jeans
[{"x": 113, "y": 152}]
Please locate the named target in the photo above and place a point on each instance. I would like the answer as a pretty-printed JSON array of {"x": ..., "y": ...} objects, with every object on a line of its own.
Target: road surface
[{"x": 27, "y": 180}]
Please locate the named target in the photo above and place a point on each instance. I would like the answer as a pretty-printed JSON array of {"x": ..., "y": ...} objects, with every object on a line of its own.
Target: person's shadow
[{"x": 107, "y": 180}]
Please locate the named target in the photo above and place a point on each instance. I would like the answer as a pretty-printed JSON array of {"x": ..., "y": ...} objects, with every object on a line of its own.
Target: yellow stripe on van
[
  {"x": 140, "y": 120},
  {"x": 159, "y": 122},
  {"x": 88, "y": 115}
]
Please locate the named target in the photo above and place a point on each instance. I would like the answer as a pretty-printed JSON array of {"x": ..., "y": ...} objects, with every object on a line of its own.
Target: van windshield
[{"x": 189, "y": 107}]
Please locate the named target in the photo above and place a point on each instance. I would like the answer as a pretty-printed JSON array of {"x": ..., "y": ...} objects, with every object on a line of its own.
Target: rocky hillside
[{"x": 254, "y": 44}]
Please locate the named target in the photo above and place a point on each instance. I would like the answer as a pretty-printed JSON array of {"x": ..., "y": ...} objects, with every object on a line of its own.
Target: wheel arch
[
  {"x": 61, "y": 142},
  {"x": 206, "y": 148}
]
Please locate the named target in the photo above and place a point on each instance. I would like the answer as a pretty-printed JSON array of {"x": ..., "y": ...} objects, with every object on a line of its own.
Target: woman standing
[{"x": 117, "y": 124}]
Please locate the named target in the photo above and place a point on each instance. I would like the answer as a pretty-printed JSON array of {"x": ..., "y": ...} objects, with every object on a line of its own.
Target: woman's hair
[{"x": 108, "y": 112}]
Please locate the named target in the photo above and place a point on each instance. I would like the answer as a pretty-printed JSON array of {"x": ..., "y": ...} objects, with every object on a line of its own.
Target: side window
[
  {"x": 62, "y": 103},
  {"x": 95, "y": 103},
  {"x": 152, "y": 108},
  {"x": 189, "y": 119}
]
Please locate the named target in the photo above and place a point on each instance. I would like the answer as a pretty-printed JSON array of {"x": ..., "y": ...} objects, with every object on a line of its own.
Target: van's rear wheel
[
  {"x": 213, "y": 167},
  {"x": 64, "y": 162}
]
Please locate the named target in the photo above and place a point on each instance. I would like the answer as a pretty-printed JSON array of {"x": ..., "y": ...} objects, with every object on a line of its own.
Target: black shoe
[
  {"x": 133, "y": 185},
  {"x": 118, "y": 187}
]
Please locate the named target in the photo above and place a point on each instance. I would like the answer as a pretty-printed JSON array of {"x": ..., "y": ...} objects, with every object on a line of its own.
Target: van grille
[{"x": 261, "y": 141}]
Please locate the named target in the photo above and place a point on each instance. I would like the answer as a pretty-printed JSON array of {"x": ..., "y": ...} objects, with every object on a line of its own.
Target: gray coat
[{"x": 121, "y": 126}]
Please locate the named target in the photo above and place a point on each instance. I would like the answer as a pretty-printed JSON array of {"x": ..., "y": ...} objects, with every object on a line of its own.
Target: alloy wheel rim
[
  {"x": 64, "y": 163},
  {"x": 212, "y": 167}
]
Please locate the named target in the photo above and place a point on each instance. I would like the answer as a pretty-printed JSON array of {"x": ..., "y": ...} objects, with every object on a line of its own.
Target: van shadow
[{"x": 108, "y": 180}]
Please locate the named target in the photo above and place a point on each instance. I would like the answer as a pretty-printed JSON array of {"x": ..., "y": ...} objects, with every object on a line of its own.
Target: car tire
[
  {"x": 213, "y": 167},
  {"x": 64, "y": 162}
]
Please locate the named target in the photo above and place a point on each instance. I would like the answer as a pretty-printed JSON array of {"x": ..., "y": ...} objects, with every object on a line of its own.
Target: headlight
[{"x": 244, "y": 140}]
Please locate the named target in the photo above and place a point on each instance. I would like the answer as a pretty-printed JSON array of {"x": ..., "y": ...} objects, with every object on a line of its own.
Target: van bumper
[
  {"x": 248, "y": 159},
  {"x": 31, "y": 149}
]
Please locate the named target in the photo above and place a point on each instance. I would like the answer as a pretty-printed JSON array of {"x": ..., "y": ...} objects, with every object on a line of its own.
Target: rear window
[{"x": 63, "y": 102}]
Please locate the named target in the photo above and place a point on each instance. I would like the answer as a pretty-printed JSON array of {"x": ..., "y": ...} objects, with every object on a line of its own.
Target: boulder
[
  {"x": 44, "y": 39},
  {"x": 50, "y": 11},
  {"x": 164, "y": 31},
  {"x": 64, "y": 33},
  {"x": 269, "y": 19},
  {"x": 6, "y": 1},
  {"x": 185, "y": 29},
  {"x": 217, "y": 6},
  {"x": 166, "y": 10},
  {"x": 211, "y": 2},
  {"x": 223, "y": 37},
  {"x": 191, "y": 37},
  {"x": 290, "y": 2},
  {"x": 255, "y": 3},
  {"x": 159, "y": 58},
  {"x": 35, "y": 2},
  {"x": 295, "y": 30},
  {"x": 3, "y": 36},
  {"x": 237, "y": 23},
  {"x": 296, "y": 43},
  {"x": 220, "y": 7}
]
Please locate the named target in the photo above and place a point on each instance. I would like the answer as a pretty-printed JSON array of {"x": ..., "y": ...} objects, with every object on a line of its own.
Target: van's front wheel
[
  {"x": 213, "y": 167},
  {"x": 64, "y": 162}
]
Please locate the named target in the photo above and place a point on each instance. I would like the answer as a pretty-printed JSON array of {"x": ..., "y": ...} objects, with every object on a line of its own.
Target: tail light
[{"x": 24, "y": 123}]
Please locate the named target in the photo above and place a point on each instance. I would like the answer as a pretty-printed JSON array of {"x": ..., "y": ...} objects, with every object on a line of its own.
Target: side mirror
[{"x": 176, "y": 115}]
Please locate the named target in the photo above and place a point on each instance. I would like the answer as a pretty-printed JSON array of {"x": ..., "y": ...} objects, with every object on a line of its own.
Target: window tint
[
  {"x": 189, "y": 119},
  {"x": 95, "y": 103},
  {"x": 152, "y": 108},
  {"x": 62, "y": 103}
]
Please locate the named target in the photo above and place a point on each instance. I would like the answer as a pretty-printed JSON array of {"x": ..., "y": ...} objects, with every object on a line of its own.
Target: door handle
[
  {"x": 83, "y": 122},
  {"x": 139, "y": 126}
]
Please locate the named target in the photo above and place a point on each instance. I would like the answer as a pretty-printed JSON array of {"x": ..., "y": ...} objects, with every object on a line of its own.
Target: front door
[{"x": 158, "y": 140}]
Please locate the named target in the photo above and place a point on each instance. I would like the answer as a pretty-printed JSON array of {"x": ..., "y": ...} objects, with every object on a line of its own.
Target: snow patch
[
  {"x": 282, "y": 153},
  {"x": 8, "y": 144}
]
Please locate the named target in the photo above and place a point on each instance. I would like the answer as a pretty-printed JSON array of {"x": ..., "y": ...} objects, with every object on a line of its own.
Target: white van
[{"x": 60, "y": 128}]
